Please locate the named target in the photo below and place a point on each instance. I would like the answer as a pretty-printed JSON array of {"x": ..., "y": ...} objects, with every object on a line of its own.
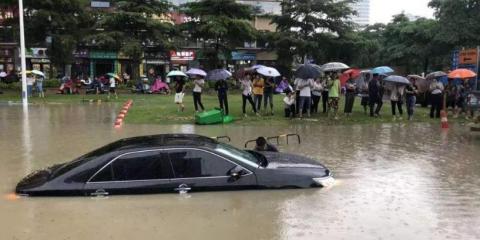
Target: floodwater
[{"x": 398, "y": 181}]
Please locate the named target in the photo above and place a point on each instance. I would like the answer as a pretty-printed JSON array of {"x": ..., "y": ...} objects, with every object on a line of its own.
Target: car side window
[
  {"x": 190, "y": 163},
  {"x": 137, "y": 166}
]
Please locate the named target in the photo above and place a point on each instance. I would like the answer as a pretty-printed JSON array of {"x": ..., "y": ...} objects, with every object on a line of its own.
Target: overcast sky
[{"x": 383, "y": 10}]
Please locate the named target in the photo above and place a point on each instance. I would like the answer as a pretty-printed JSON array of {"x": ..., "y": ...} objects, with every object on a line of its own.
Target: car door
[
  {"x": 136, "y": 172},
  {"x": 197, "y": 169}
]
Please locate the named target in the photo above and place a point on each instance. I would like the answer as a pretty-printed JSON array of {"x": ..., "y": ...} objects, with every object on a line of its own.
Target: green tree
[
  {"x": 458, "y": 21},
  {"x": 63, "y": 29},
  {"x": 134, "y": 26},
  {"x": 304, "y": 23},
  {"x": 412, "y": 44},
  {"x": 222, "y": 25}
]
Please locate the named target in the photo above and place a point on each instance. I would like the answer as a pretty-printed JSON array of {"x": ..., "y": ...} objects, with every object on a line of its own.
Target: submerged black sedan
[{"x": 173, "y": 162}]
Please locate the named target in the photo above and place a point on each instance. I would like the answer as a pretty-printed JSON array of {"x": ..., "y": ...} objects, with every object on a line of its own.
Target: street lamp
[{"x": 22, "y": 55}]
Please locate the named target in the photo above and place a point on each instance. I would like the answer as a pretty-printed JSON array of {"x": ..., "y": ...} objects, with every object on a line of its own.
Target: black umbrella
[{"x": 307, "y": 71}]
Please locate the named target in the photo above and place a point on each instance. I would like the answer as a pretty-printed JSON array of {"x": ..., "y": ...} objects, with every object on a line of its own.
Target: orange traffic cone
[{"x": 444, "y": 119}]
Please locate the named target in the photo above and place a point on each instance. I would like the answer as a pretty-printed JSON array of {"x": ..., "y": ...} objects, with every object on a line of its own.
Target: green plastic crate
[{"x": 209, "y": 117}]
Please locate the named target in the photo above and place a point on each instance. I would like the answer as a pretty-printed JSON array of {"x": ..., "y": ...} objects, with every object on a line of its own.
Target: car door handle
[
  {"x": 99, "y": 193},
  {"x": 183, "y": 188}
]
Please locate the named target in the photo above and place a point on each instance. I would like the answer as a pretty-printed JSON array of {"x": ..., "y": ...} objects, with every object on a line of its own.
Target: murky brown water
[{"x": 405, "y": 181}]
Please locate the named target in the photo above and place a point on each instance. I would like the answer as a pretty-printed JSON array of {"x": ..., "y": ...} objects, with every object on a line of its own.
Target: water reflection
[{"x": 394, "y": 182}]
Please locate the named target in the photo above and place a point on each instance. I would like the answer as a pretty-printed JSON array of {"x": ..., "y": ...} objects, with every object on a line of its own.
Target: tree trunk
[
  {"x": 135, "y": 71},
  {"x": 425, "y": 65}
]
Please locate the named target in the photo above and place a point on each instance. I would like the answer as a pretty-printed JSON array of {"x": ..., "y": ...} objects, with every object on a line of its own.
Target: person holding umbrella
[
  {"x": 396, "y": 100},
  {"x": 179, "y": 92},
  {"x": 199, "y": 82},
  {"x": 411, "y": 91}
]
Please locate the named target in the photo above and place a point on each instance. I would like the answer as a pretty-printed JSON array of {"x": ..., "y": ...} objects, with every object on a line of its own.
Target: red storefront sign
[
  {"x": 182, "y": 56},
  {"x": 468, "y": 56}
]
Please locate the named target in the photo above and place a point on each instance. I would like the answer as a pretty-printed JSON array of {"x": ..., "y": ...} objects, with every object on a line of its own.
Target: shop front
[
  {"x": 268, "y": 58},
  {"x": 7, "y": 57},
  {"x": 81, "y": 65},
  {"x": 37, "y": 59},
  {"x": 182, "y": 60},
  {"x": 156, "y": 64},
  {"x": 103, "y": 62}
]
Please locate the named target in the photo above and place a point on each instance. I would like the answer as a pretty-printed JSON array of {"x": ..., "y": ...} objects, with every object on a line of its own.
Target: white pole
[{"x": 22, "y": 55}]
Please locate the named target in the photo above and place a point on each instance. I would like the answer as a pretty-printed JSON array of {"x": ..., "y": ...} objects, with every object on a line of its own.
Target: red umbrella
[
  {"x": 349, "y": 74},
  {"x": 462, "y": 74}
]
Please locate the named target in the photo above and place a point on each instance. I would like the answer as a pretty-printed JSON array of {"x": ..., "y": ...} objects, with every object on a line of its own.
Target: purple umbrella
[
  {"x": 197, "y": 71},
  {"x": 218, "y": 74}
]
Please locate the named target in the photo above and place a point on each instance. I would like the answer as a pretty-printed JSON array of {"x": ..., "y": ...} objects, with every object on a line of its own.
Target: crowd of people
[
  {"x": 301, "y": 97},
  {"x": 304, "y": 97}
]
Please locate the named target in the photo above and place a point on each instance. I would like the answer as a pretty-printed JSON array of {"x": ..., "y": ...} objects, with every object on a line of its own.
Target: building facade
[{"x": 362, "y": 7}]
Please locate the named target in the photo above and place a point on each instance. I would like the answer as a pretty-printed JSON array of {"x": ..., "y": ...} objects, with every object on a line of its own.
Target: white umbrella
[
  {"x": 36, "y": 72},
  {"x": 3, "y": 74},
  {"x": 334, "y": 66},
  {"x": 176, "y": 73},
  {"x": 269, "y": 72},
  {"x": 197, "y": 71}
]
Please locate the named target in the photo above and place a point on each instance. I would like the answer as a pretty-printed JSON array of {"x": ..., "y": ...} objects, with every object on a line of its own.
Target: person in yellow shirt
[{"x": 258, "y": 86}]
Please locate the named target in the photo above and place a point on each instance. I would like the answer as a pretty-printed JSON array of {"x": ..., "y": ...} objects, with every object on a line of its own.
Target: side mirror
[{"x": 235, "y": 174}]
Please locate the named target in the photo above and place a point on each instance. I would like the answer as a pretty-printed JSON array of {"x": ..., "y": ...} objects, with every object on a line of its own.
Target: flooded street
[{"x": 395, "y": 181}]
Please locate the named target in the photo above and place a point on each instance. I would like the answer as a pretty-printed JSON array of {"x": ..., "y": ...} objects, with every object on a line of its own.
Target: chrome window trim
[{"x": 165, "y": 179}]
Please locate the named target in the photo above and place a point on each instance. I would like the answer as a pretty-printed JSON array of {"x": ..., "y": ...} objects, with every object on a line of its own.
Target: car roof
[{"x": 163, "y": 140}]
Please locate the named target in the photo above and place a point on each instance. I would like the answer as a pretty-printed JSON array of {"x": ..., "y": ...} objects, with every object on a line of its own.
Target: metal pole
[
  {"x": 22, "y": 55},
  {"x": 478, "y": 70}
]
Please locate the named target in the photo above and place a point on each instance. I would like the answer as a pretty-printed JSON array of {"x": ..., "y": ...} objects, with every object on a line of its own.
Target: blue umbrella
[
  {"x": 218, "y": 74},
  {"x": 382, "y": 70}
]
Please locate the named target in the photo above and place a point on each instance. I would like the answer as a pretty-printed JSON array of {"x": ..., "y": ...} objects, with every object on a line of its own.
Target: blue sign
[
  {"x": 245, "y": 56},
  {"x": 99, "y": 4},
  {"x": 455, "y": 56}
]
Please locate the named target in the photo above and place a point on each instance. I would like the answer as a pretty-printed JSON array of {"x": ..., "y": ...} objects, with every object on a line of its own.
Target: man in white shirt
[
  {"x": 112, "y": 87},
  {"x": 305, "y": 101}
]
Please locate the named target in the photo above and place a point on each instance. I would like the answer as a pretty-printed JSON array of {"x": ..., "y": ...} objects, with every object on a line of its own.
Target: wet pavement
[{"x": 395, "y": 181}]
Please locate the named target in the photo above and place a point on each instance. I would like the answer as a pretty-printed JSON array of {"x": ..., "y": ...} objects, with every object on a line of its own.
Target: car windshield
[{"x": 240, "y": 155}]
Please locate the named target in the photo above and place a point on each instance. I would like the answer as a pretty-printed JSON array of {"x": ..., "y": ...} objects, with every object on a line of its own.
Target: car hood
[
  {"x": 36, "y": 179},
  {"x": 285, "y": 160}
]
